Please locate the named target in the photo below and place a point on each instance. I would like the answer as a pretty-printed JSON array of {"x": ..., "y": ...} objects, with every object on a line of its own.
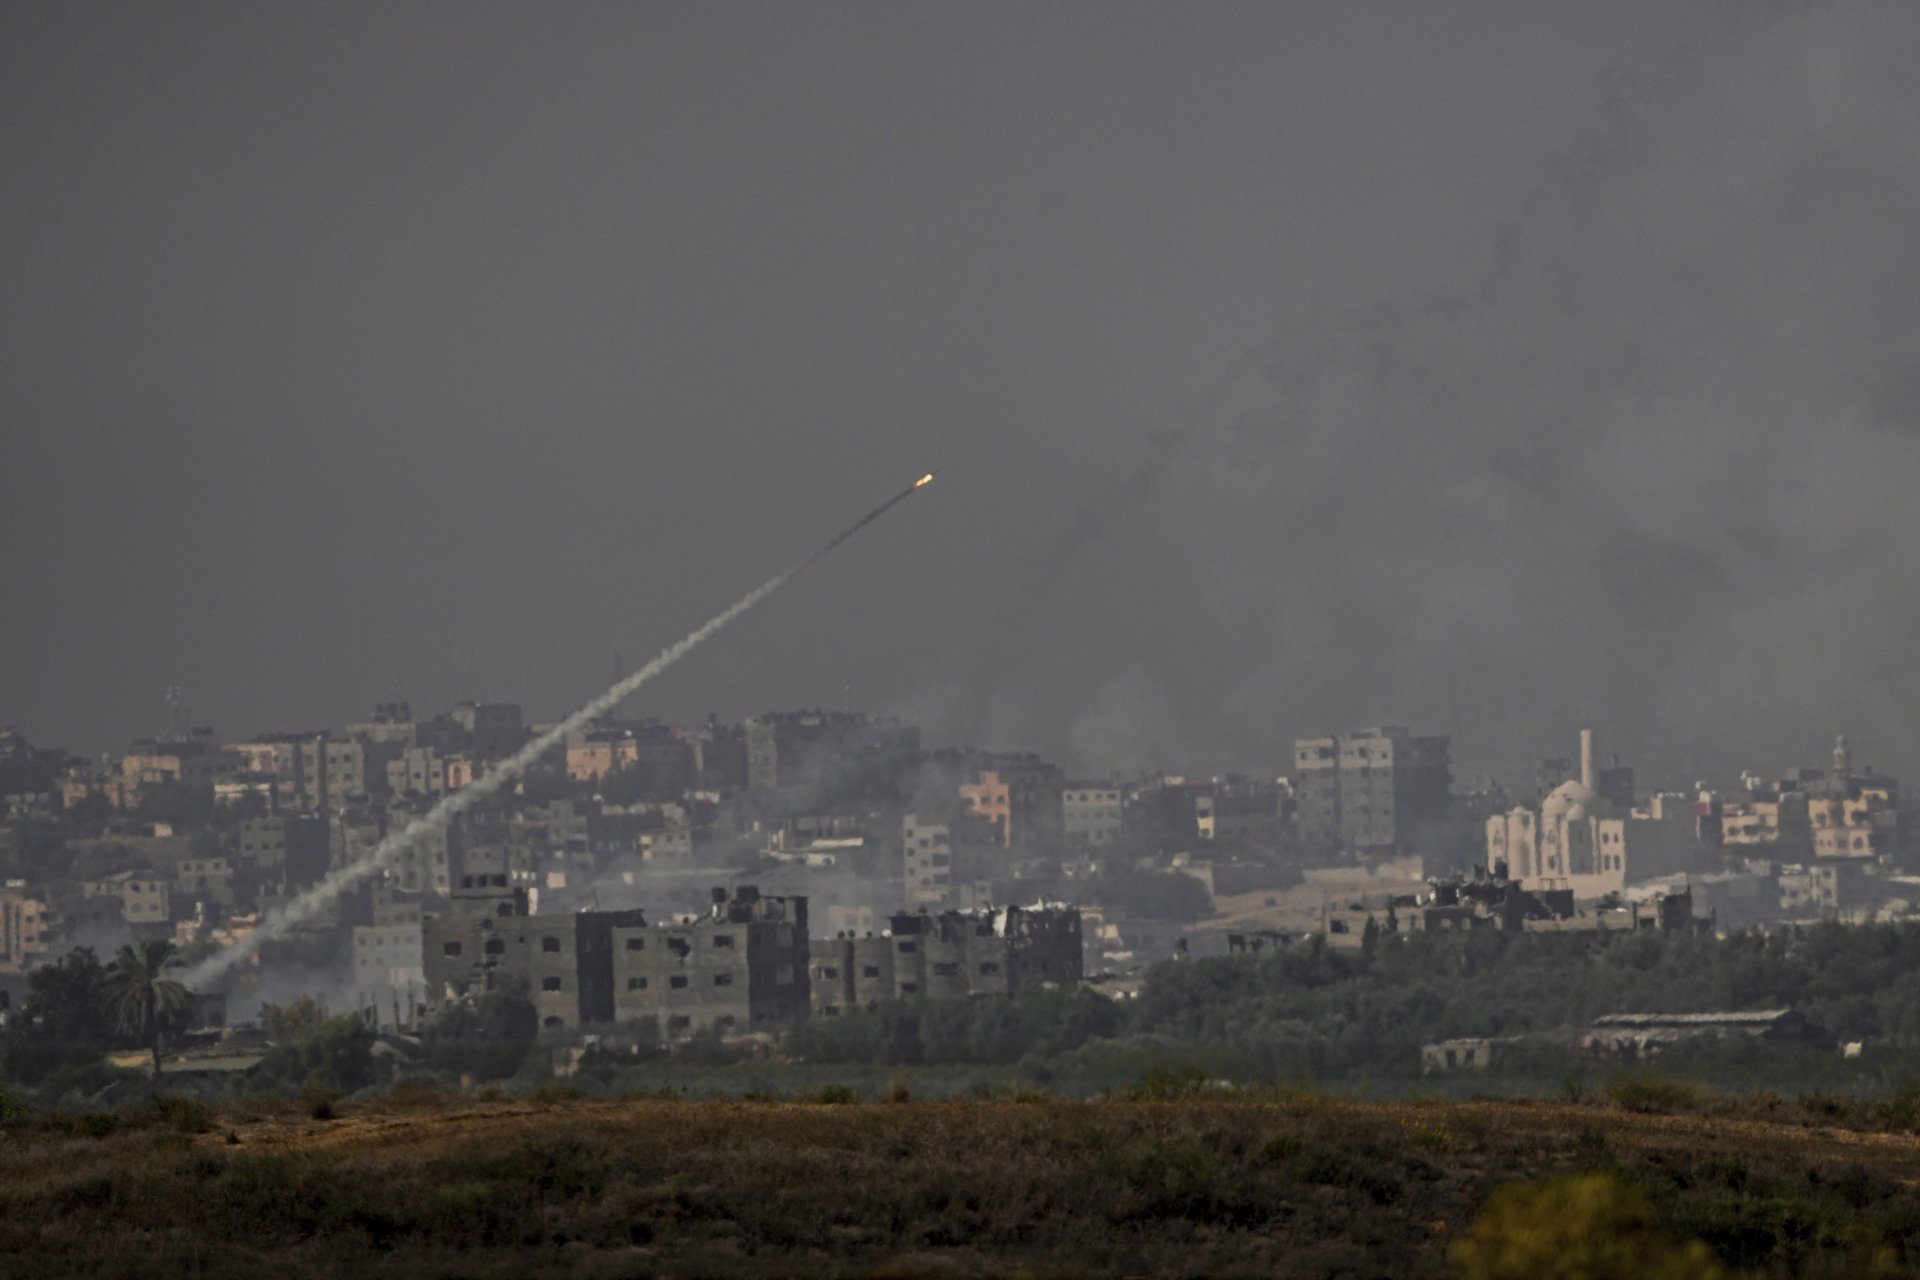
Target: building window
[
  {"x": 555, "y": 1021},
  {"x": 783, "y": 976},
  {"x": 829, "y": 1010},
  {"x": 451, "y": 949},
  {"x": 496, "y": 946},
  {"x": 988, "y": 969},
  {"x": 722, "y": 979},
  {"x": 722, "y": 939},
  {"x": 549, "y": 984},
  {"x": 907, "y": 948},
  {"x": 636, "y": 984},
  {"x": 829, "y": 972},
  {"x": 678, "y": 1022},
  {"x": 677, "y": 981},
  {"x": 636, "y": 944},
  {"x": 945, "y": 970},
  {"x": 870, "y": 971},
  {"x": 550, "y": 944},
  {"x": 909, "y": 988}
]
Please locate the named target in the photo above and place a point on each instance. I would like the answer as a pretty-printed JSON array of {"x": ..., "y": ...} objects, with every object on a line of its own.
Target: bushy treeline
[
  {"x": 1313, "y": 1011},
  {"x": 1304, "y": 1012},
  {"x": 1856, "y": 981},
  {"x": 948, "y": 1031}
]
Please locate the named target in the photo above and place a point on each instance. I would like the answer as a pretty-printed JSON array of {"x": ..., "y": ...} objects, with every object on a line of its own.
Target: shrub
[
  {"x": 1760, "y": 1232},
  {"x": 184, "y": 1115},
  {"x": 1167, "y": 1084},
  {"x": 1179, "y": 1180},
  {"x": 1901, "y": 1108},
  {"x": 13, "y": 1106},
  {"x": 834, "y": 1095},
  {"x": 319, "y": 1100},
  {"x": 1655, "y": 1093},
  {"x": 1281, "y": 1147},
  {"x": 1327, "y": 1167},
  {"x": 1429, "y": 1137},
  {"x": 1585, "y": 1225}
]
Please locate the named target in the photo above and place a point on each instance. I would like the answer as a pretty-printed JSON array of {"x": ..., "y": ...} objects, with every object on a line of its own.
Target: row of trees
[
  {"x": 1345, "y": 1009},
  {"x": 1857, "y": 981},
  {"x": 77, "y": 1009}
]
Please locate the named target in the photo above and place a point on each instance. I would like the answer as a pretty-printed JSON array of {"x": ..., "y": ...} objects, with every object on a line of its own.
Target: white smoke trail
[{"x": 457, "y": 802}]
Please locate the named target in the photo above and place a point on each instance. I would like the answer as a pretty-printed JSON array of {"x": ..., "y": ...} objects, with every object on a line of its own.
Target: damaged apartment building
[
  {"x": 743, "y": 963},
  {"x": 949, "y": 955}
]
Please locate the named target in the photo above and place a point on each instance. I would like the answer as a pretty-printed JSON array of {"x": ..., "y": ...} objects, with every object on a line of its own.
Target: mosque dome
[{"x": 1572, "y": 801}]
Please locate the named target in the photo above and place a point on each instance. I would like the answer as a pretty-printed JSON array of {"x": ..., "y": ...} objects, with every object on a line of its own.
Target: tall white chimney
[{"x": 1589, "y": 762}]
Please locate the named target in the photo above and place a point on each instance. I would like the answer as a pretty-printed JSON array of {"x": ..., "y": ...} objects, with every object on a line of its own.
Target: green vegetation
[
  {"x": 985, "y": 1031},
  {"x": 145, "y": 1003},
  {"x": 1582, "y": 1226},
  {"x": 1857, "y": 981}
]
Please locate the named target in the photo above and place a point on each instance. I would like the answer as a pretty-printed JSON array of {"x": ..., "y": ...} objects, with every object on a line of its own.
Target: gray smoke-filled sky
[{"x": 1486, "y": 366}]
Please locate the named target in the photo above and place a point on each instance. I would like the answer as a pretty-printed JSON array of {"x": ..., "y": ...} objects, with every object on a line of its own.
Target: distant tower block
[{"x": 1842, "y": 758}]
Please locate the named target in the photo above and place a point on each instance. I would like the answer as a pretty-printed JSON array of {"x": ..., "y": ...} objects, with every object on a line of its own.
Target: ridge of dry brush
[{"x": 1286, "y": 1185}]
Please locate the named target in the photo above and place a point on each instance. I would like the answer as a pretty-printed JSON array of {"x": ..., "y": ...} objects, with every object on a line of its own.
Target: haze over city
[{"x": 1498, "y": 366}]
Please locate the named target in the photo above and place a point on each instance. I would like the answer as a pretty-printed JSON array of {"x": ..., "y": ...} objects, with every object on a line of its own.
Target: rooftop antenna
[
  {"x": 173, "y": 710},
  {"x": 849, "y": 695}
]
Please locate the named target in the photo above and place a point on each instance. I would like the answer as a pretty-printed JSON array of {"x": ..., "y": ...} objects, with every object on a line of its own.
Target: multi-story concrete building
[
  {"x": 1371, "y": 792},
  {"x": 947, "y": 863},
  {"x": 289, "y": 850},
  {"x": 392, "y": 723},
  {"x": 655, "y": 757},
  {"x": 743, "y": 965},
  {"x": 387, "y": 963},
  {"x": 204, "y": 879},
  {"x": 1237, "y": 810},
  {"x": 571, "y": 965},
  {"x": 1092, "y": 813},
  {"x": 478, "y": 945},
  {"x": 417, "y": 771},
  {"x": 494, "y": 729},
  {"x": 719, "y": 757},
  {"x": 927, "y": 859},
  {"x": 823, "y": 750},
  {"x": 1020, "y": 794},
  {"x": 352, "y": 835},
  {"x": 952, "y": 955},
  {"x": 333, "y": 771},
  {"x": 144, "y": 898},
  {"x": 194, "y": 759},
  {"x": 28, "y": 927}
]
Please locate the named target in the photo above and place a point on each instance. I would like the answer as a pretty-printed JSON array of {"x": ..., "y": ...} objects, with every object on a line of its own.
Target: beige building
[
  {"x": 387, "y": 964},
  {"x": 1574, "y": 840},
  {"x": 144, "y": 898},
  {"x": 417, "y": 771},
  {"x": 27, "y": 928},
  {"x": 1092, "y": 813}
]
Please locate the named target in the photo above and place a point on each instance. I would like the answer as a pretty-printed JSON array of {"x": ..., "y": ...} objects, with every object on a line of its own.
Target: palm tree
[{"x": 144, "y": 1001}]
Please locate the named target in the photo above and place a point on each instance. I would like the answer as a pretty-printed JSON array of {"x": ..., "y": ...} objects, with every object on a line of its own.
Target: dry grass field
[{"x": 1272, "y": 1185}]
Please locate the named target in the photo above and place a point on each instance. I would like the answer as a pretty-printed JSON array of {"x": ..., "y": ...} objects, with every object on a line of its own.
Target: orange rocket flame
[{"x": 925, "y": 479}]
